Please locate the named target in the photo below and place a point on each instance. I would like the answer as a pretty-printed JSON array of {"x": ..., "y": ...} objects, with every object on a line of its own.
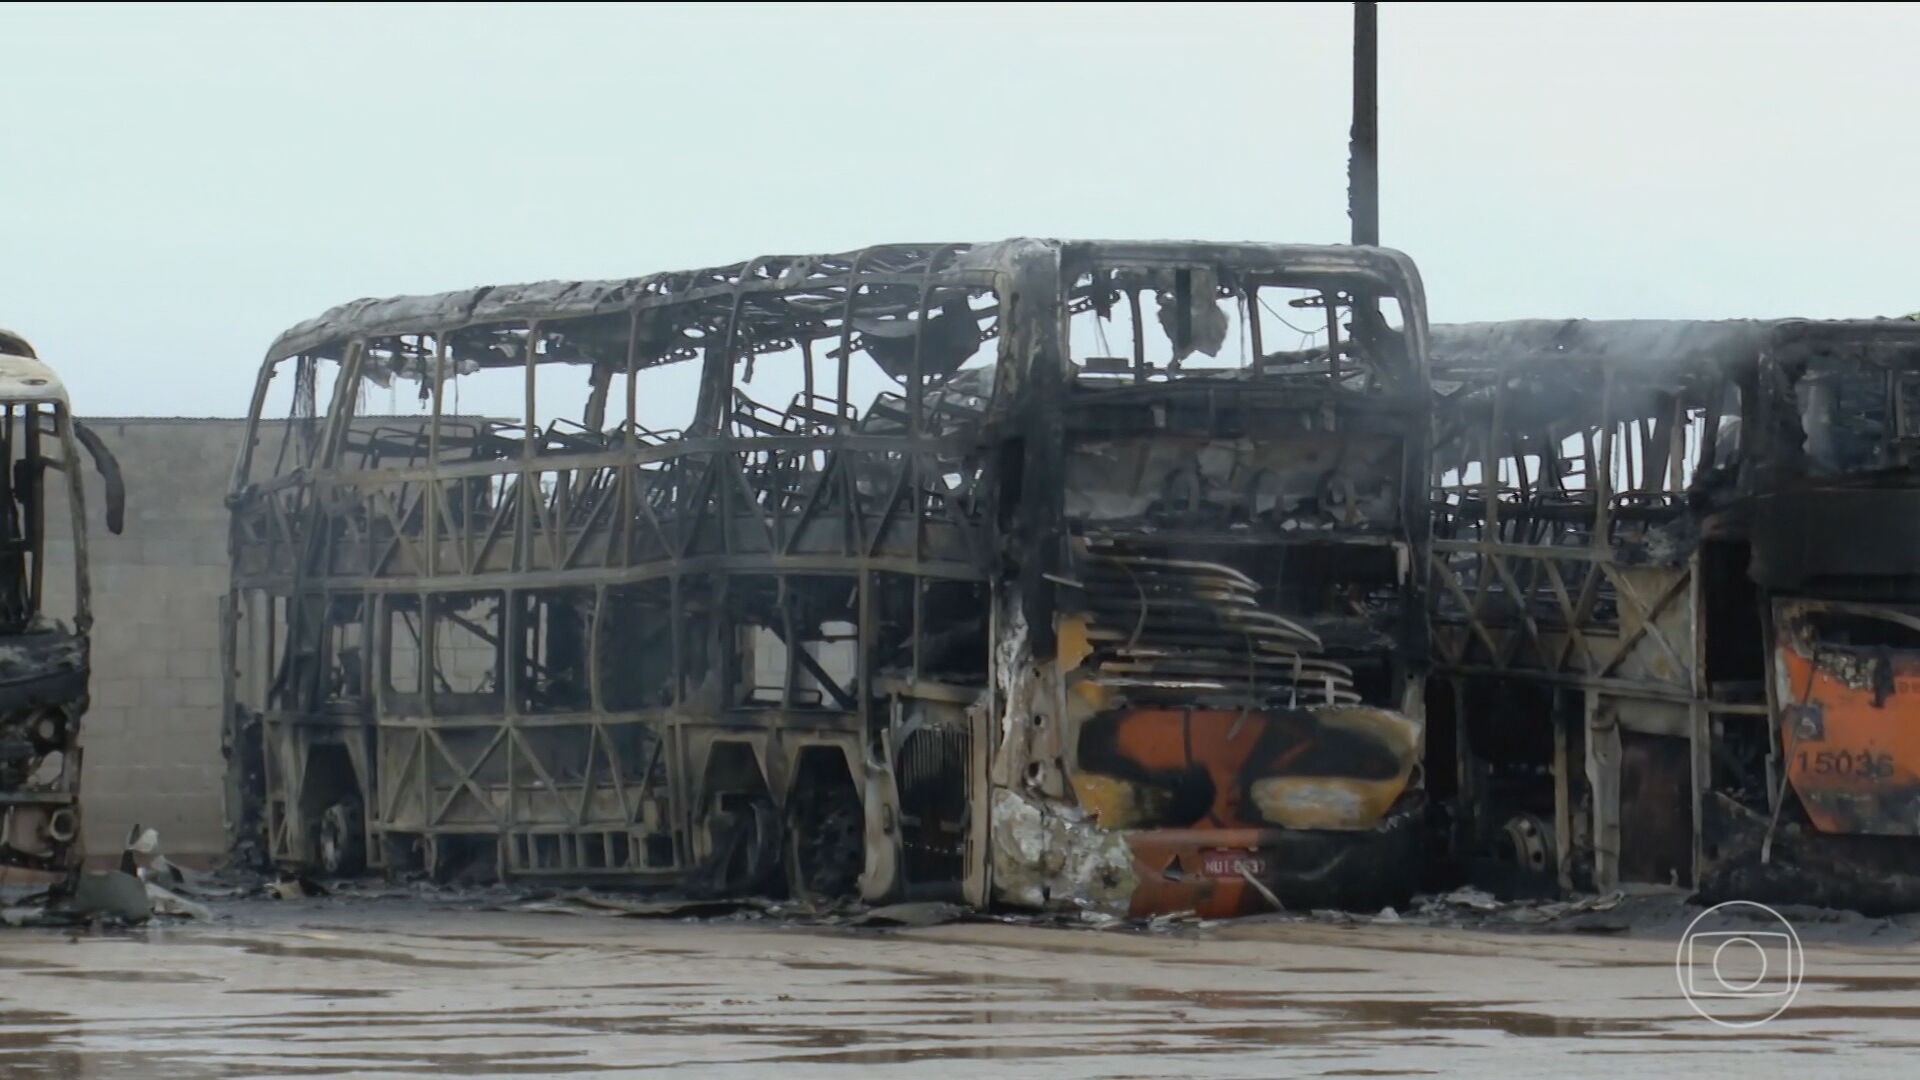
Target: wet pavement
[{"x": 389, "y": 990}]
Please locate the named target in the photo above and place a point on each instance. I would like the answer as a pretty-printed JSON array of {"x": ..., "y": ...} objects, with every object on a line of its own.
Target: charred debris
[{"x": 1127, "y": 578}]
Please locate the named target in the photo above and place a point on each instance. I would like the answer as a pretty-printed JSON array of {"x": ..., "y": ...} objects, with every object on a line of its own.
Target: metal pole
[{"x": 1363, "y": 146}]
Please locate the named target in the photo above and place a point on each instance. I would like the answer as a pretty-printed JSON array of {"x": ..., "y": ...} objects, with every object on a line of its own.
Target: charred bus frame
[
  {"x": 1670, "y": 558},
  {"x": 44, "y": 666},
  {"x": 819, "y": 638}
]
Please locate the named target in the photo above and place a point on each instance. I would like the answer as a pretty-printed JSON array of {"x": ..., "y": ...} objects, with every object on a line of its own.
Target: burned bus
[
  {"x": 43, "y": 657},
  {"x": 1054, "y": 574},
  {"x": 1675, "y": 603}
]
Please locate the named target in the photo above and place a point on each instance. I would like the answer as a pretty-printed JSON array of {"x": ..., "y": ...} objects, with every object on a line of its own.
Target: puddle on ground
[
  {"x": 20, "y": 964},
  {"x": 538, "y": 947},
  {"x": 1869, "y": 984},
  {"x": 10, "y": 1017},
  {"x": 127, "y": 976},
  {"x": 1317, "y": 1017},
  {"x": 330, "y": 993},
  {"x": 854, "y": 1015},
  {"x": 28, "y": 1034},
  {"x": 269, "y": 947},
  {"x": 15, "y": 1038},
  {"x": 1858, "y": 1011},
  {"x": 910, "y": 1055},
  {"x": 1003, "y": 984}
]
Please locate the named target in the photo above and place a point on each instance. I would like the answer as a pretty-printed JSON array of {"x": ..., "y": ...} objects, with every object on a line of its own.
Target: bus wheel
[
  {"x": 746, "y": 858},
  {"x": 826, "y": 837},
  {"x": 343, "y": 839}
]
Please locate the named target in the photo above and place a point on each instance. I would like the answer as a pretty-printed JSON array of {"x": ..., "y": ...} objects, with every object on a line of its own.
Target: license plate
[{"x": 1232, "y": 864}]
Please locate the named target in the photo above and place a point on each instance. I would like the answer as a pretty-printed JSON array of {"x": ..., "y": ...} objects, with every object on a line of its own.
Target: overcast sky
[{"x": 181, "y": 183}]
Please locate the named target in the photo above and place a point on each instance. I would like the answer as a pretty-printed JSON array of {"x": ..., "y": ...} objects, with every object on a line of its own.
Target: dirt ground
[{"x": 393, "y": 989}]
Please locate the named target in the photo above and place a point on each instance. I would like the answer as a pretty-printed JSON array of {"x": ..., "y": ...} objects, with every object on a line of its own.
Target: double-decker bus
[
  {"x": 43, "y": 657},
  {"x": 1677, "y": 602},
  {"x": 1033, "y": 572}
]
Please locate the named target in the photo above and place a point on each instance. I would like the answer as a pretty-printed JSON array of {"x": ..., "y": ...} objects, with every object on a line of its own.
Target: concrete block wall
[{"x": 151, "y": 740}]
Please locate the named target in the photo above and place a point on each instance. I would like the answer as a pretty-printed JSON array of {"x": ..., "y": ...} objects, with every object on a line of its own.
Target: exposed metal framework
[
  {"x": 1213, "y": 700},
  {"x": 795, "y": 640},
  {"x": 1613, "y": 552}
]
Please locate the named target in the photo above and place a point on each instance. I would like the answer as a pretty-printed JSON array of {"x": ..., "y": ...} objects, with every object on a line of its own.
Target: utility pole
[{"x": 1363, "y": 140}]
